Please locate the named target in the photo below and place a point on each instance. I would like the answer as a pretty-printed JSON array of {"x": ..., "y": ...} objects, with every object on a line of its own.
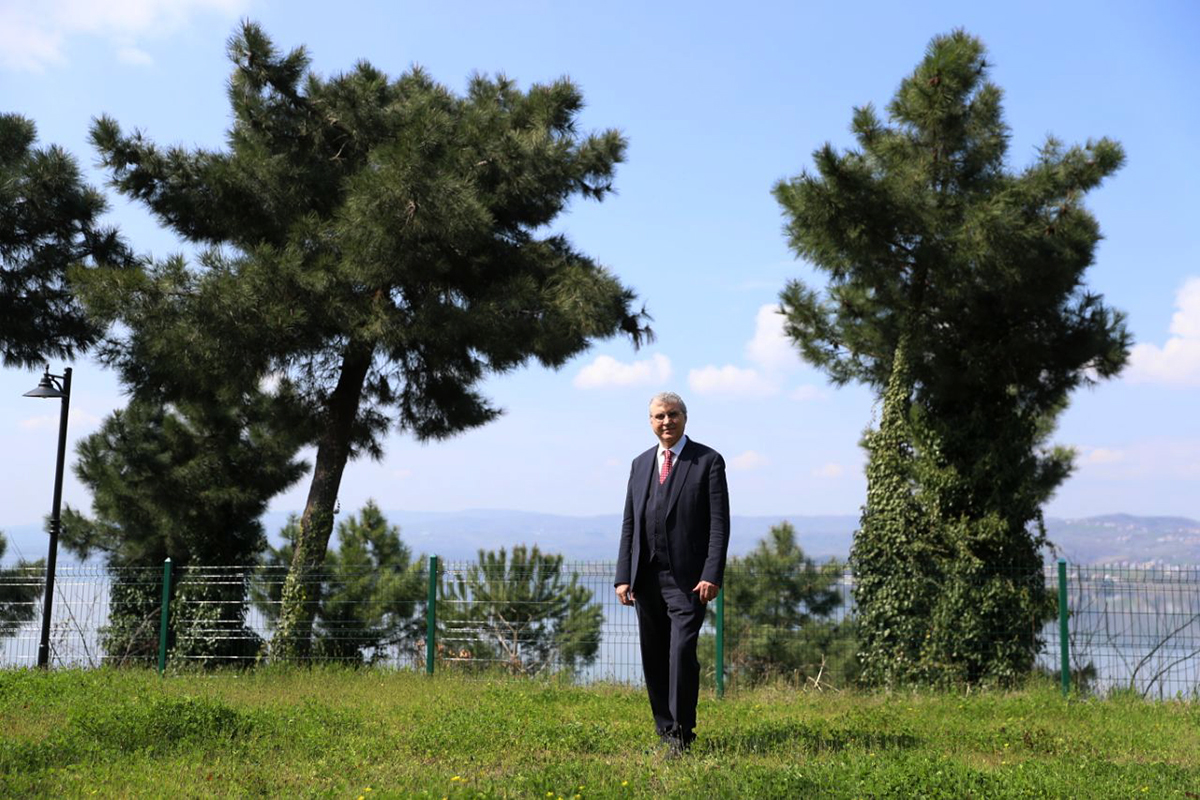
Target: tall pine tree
[
  {"x": 929, "y": 240},
  {"x": 378, "y": 244}
]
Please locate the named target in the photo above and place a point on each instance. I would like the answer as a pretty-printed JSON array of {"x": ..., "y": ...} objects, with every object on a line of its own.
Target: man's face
[{"x": 667, "y": 421}]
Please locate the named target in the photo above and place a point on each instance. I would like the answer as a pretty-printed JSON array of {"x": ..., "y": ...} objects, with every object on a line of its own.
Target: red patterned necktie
[{"x": 666, "y": 467}]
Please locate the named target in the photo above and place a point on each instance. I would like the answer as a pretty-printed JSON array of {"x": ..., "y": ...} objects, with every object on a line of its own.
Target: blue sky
[{"x": 717, "y": 103}]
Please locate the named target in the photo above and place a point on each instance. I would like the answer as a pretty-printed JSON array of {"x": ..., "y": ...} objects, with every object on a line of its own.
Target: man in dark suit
[{"x": 671, "y": 563}]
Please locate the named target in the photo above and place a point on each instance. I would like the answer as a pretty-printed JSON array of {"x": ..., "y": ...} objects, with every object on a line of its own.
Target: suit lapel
[{"x": 679, "y": 474}]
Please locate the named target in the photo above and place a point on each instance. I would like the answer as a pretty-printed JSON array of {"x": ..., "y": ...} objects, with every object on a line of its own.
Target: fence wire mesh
[
  {"x": 1130, "y": 628},
  {"x": 1135, "y": 629}
]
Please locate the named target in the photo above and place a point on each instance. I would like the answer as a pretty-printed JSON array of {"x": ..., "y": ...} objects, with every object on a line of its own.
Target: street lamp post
[{"x": 53, "y": 386}]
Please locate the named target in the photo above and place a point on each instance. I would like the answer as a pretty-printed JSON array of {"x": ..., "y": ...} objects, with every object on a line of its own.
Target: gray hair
[{"x": 670, "y": 398}]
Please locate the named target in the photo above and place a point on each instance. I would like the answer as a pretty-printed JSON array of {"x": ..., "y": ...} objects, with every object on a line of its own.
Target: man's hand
[
  {"x": 707, "y": 591},
  {"x": 625, "y": 594}
]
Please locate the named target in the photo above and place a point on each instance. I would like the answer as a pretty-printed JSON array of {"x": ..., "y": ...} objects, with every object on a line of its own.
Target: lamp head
[{"x": 45, "y": 388}]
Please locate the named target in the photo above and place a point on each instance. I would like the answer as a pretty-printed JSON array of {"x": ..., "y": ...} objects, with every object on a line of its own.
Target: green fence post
[
  {"x": 431, "y": 617},
  {"x": 1063, "y": 628},
  {"x": 166, "y": 613},
  {"x": 721, "y": 642}
]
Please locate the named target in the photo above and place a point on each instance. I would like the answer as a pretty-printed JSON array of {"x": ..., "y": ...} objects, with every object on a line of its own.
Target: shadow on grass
[{"x": 816, "y": 737}]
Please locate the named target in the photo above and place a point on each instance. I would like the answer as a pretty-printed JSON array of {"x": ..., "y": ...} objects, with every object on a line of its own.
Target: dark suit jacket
[{"x": 697, "y": 517}]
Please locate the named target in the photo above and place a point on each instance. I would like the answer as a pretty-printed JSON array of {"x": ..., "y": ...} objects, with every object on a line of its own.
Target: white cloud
[
  {"x": 770, "y": 348},
  {"x": 25, "y": 45},
  {"x": 830, "y": 470},
  {"x": 731, "y": 380},
  {"x": 1177, "y": 362},
  {"x": 1100, "y": 455},
  {"x": 134, "y": 56},
  {"x": 747, "y": 461},
  {"x": 607, "y": 371},
  {"x": 1186, "y": 321},
  {"x": 1173, "y": 458},
  {"x": 771, "y": 354},
  {"x": 34, "y": 34}
]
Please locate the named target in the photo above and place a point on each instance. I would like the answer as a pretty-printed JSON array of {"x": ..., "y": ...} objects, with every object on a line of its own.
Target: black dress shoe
[{"x": 675, "y": 744}]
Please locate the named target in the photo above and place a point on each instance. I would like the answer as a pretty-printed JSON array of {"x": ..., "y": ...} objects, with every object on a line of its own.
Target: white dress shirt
[{"x": 675, "y": 451}]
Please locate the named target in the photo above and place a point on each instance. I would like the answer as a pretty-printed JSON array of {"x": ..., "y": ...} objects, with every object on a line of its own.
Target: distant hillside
[
  {"x": 461, "y": 535},
  {"x": 1106, "y": 539},
  {"x": 1093, "y": 540},
  {"x": 1116, "y": 538}
]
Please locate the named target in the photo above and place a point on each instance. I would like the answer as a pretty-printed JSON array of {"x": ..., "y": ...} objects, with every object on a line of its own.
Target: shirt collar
[{"x": 676, "y": 450}]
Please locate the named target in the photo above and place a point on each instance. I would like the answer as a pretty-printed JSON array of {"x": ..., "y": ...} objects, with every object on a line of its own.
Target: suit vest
[{"x": 654, "y": 524}]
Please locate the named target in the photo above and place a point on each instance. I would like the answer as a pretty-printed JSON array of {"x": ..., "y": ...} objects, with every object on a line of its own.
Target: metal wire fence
[
  {"x": 1135, "y": 629},
  {"x": 1128, "y": 628}
]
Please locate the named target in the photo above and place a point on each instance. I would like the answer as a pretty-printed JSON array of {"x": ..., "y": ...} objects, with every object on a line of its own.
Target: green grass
[{"x": 334, "y": 733}]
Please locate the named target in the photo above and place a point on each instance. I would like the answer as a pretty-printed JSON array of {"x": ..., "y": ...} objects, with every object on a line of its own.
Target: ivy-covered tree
[
  {"x": 380, "y": 245},
  {"x": 779, "y": 615},
  {"x": 899, "y": 553},
  {"x": 189, "y": 483},
  {"x": 371, "y": 590},
  {"x": 49, "y": 223},
  {"x": 929, "y": 241},
  {"x": 520, "y": 612},
  {"x": 20, "y": 587}
]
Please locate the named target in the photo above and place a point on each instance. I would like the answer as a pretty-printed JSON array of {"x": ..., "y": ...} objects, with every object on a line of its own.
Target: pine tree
[
  {"x": 779, "y": 607},
  {"x": 187, "y": 482},
  {"x": 520, "y": 612},
  {"x": 928, "y": 239},
  {"x": 378, "y": 244},
  {"x": 48, "y": 224},
  {"x": 20, "y": 587},
  {"x": 371, "y": 590}
]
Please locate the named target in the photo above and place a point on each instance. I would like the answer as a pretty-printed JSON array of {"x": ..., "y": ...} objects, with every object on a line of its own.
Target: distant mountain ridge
[
  {"x": 1154, "y": 523},
  {"x": 1125, "y": 538},
  {"x": 458, "y": 535}
]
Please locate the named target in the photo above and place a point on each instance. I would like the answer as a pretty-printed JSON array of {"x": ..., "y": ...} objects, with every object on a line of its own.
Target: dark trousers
[{"x": 669, "y": 621}]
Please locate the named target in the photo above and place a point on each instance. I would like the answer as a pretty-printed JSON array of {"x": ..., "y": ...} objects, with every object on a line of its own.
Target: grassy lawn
[{"x": 371, "y": 734}]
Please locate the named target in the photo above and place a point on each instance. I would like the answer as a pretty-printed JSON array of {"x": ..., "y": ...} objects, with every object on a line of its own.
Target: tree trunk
[{"x": 301, "y": 590}]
